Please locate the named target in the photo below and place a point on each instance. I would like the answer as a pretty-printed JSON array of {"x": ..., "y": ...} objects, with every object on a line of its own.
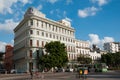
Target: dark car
[
  {"x": 2, "y": 71},
  {"x": 59, "y": 70}
]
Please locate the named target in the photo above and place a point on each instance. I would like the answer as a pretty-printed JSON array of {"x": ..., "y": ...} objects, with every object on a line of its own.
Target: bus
[
  {"x": 97, "y": 67},
  {"x": 100, "y": 67}
]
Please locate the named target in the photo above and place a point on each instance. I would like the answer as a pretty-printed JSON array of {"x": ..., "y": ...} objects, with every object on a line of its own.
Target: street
[{"x": 111, "y": 75}]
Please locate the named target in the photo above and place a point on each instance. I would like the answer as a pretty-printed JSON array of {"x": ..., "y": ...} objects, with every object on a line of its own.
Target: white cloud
[
  {"x": 25, "y": 1},
  {"x": 100, "y": 2},
  {"x": 68, "y": 19},
  {"x": 68, "y": 1},
  {"x": 90, "y": 11},
  {"x": 94, "y": 39},
  {"x": 39, "y": 7},
  {"x": 2, "y": 46},
  {"x": 52, "y": 1},
  {"x": 9, "y": 25},
  {"x": 107, "y": 39},
  {"x": 12, "y": 41},
  {"x": 59, "y": 14},
  {"x": 5, "y": 5}
]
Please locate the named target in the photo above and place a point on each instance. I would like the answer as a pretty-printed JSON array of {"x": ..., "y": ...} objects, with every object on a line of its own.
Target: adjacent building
[
  {"x": 112, "y": 47},
  {"x": 82, "y": 47},
  {"x": 2, "y": 60},
  {"x": 8, "y": 58},
  {"x": 95, "y": 56}
]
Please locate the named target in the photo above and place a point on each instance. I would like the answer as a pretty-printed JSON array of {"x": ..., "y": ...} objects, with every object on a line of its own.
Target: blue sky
[{"x": 96, "y": 21}]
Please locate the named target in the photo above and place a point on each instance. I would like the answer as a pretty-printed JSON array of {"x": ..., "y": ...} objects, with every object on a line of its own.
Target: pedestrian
[
  {"x": 37, "y": 74},
  {"x": 31, "y": 74}
]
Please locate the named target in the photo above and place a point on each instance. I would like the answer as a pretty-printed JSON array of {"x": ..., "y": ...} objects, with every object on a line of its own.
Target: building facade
[
  {"x": 34, "y": 31},
  {"x": 95, "y": 56},
  {"x": 8, "y": 58},
  {"x": 111, "y": 47},
  {"x": 2, "y": 60},
  {"x": 82, "y": 47}
]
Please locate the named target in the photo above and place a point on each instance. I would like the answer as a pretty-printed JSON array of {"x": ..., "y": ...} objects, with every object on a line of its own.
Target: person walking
[{"x": 31, "y": 74}]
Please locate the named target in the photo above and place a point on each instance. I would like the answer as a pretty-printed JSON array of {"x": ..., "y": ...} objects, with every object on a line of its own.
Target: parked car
[
  {"x": 69, "y": 70},
  {"x": 13, "y": 71},
  {"x": 59, "y": 70},
  {"x": 2, "y": 71}
]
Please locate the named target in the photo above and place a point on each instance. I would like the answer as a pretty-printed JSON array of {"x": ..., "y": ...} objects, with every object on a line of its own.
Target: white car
[
  {"x": 71, "y": 69},
  {"x": 13, "y": 71}
]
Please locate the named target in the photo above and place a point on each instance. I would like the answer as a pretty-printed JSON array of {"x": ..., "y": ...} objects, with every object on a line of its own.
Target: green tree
[
  {"x": 56, "y": 55},
  {"x": 111, "y": 59},
  {"x": 84, "y": 59}
]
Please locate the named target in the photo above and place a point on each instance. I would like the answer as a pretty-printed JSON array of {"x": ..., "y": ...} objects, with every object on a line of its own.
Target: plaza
[{"x": 110, "y": 75}]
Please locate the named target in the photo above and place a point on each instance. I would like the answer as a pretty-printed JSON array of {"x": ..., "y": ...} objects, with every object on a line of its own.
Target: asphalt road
[{"x": 111, "y": 75}]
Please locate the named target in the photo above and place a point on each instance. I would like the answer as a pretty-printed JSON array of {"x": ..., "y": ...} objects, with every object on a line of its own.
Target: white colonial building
[
  {"x": 111, "y": 47},
  {"x": 95, "y": 56},
  {"x": 34, "y": 31},
  {"x": 82, "y": 47}
]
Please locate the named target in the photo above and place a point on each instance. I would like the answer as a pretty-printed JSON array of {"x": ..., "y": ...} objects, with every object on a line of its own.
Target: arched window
[
  {"x": 31, "y": 42},
  {"x": 37, "y": 43},
  {"x": 31, "y": 22},
  {"x": 30, "y": 54},
  {"x": 42, "y": 33},
  {"x": 37, "y": 32},
  {"x": 42, "y": 43},
  {"x": 31, "y": 31}
]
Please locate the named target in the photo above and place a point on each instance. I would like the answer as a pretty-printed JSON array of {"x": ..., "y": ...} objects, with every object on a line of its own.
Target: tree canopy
[
  {"x": 111, "y": 59},
  {"x": 56, "y": 55}
]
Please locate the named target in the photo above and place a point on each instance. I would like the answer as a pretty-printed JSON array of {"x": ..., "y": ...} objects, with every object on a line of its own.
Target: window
[
  {"x": 68, "y": 32},
  {"x": 53, "y": 36},
  {"x": 31, "y": 42},
  {"x": 31, "y": 31},
  {"x": 68, "y": 40},
  {"x": 42, "y": 43},
  {"x": 59, "y": 29},
  {"x": 56, "y": 28},
  {"x": 62, "y": 30},
  {"x": 50, "y": 36},
  {"x": 71, "y": 40},
  {"x": 72, "y": 49},
  {"x": 57, "y": 37},
  {"x": 42, "y": 24},
  {"x": 46, "y": 25},
  {"x": 53, "y": 28},
  {"x": 60, "y": 37},
  {"x": 69, "y": 55},
  {"x": 30, "y": 54},
  {"x": 37, "y": 32},
  {"x": 31, "y": 22},
  {"x": 37, "y": 23},
  {"x": 68, "y": 48},
  {"x": 49, "y": 27},
  {"x": 37, "y": 43},
  {"x": 46, "y": 34},
  {"x": 42, "y": 33}
]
